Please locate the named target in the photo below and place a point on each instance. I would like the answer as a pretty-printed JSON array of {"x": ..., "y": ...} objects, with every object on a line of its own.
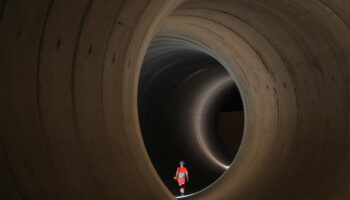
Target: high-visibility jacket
[{"x": 181, "y": 175}]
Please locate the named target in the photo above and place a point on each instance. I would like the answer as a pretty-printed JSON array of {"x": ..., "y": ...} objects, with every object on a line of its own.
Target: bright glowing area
[{"x": 200, "y": 127}]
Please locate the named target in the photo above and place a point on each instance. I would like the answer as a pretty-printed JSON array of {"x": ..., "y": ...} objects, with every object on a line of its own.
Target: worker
[{"x": 181, "y": 177}]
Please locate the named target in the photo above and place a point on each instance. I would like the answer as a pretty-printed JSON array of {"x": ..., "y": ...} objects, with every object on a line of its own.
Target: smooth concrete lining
[{"x": 69, "y": 74}]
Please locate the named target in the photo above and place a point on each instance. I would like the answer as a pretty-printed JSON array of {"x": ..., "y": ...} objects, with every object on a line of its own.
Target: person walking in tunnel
[{"x": 182, "y": 177}]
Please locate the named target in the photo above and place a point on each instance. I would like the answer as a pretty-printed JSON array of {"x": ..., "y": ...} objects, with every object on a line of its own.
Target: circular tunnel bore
[
  {"x": 69, "y": 78},
  {"x": 190, "y": 109}
]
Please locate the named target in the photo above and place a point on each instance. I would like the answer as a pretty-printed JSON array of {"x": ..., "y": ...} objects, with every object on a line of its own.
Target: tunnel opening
[{"x": 189, "y": 109}]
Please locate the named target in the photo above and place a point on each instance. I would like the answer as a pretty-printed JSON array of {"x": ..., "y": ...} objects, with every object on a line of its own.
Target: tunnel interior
[
  {"x": 189, "y": 109},
  {"x": 72, "y": 99}
]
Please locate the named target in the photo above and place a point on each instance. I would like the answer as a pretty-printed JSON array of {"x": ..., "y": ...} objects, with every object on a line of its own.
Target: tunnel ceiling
[{"x": 70, "y": 73}]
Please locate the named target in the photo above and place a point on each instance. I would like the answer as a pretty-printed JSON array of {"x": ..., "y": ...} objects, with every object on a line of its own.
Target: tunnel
[
  {"x": 197, "y": 117},
  {"x": 100, "y": 99}
]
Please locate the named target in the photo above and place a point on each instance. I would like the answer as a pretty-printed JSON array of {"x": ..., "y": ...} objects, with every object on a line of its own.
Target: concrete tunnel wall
[{"x": 69, "y": 72}]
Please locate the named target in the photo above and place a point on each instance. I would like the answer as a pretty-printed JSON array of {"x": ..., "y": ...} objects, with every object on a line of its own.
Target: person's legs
[{"x": 182, "y": 189}]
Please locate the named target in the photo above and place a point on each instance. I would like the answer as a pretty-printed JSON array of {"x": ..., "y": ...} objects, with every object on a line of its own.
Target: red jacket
[{"x": 181, "y": 175}]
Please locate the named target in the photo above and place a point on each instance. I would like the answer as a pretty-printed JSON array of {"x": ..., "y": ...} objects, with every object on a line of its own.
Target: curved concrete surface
[{"x": 69, "y": 74}]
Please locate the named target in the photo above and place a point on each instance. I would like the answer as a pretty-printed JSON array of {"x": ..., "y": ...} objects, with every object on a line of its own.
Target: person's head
[{"x": 182, "y": 163}]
